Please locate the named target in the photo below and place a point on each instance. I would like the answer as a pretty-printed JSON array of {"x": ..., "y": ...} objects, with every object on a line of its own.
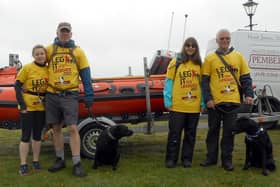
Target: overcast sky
[{"x": 116, "y": 34}]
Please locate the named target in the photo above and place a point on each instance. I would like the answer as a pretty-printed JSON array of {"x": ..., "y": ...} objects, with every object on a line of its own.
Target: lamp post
[
  {"x": 250, "y": 7},
  {"x": 184, "y": 32}
]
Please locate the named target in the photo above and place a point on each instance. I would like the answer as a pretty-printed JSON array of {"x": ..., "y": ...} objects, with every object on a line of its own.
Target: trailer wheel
[
  {"x": 89, "y": 135},
  {"x": 274, "y": 103},
  {"x": 275, "y": 106}
]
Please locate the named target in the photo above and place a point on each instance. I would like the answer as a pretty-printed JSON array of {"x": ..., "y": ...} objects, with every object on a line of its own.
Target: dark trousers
[
  {"x": 212, "y": 141},
  {"x": 177, "y": 122}
]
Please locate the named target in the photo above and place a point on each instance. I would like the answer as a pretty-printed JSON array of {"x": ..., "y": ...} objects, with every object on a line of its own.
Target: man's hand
[
  {"x": 210, "y": 104},
  {"x": 202, "y": 110},
  {"x": 88, "y": 100},
  {"x": 249, "y": 100}
]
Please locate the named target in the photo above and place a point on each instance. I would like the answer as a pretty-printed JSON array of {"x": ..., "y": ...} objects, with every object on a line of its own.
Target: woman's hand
[{"x": 23, "y": 111}]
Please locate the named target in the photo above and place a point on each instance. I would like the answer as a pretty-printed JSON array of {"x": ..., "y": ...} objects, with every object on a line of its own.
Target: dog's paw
[
  {"x": 114, "y": 168},
  {"x": 265, "y": 172},
  {"x": 94, "y": 167},
  {"x": 271, "y": 167}
]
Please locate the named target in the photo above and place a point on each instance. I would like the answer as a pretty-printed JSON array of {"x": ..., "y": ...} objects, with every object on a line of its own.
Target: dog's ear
[
  {"x": 243, "y": 120},
  {"x": 253, "y": 123},
  {"x": 241, "y": 125},
  {"x": 118, "y": 127}
]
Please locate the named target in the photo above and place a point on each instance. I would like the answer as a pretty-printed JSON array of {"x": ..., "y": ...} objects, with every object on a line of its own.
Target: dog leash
[
  {"x": 91, "y": 115},
  {"x": 110, "y": 134}
]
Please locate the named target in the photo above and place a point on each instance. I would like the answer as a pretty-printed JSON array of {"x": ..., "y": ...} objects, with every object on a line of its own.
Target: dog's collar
[
  {"x": 110, "y": 134},
  {"x": 251, "y": 137}
]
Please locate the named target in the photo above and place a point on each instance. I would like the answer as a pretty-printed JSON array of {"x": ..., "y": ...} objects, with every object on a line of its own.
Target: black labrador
[
  {"x": 258, "y": 145},
  {"x": 107, "y": 146}
]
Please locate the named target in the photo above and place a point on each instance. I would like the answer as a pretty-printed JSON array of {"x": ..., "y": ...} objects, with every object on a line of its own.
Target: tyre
[
  {"x": 89, "y": 135},
  {"x": 275, "y": 106},
  {"x": 274, "y": 103}
]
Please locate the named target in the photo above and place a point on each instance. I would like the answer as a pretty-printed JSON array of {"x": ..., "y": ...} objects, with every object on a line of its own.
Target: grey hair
[{"x": 222, "y": 31}]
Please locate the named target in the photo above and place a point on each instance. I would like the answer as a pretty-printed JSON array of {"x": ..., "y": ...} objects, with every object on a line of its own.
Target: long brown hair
[{"x": 196, "y": 56}]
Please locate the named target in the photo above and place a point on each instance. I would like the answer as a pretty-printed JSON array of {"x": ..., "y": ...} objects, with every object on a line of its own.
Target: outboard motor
[{"x": 14, "y": 61}]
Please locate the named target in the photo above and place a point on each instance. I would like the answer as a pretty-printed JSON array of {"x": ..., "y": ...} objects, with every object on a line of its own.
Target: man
[
  {"x": 222, "y": 97},
  {"x": 66, "y": 63}
]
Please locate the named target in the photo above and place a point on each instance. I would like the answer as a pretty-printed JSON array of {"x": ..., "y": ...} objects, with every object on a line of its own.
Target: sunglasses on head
[
  {"x": 65, "y": 30},
  {"x": 225, "y": 38},
  {"x": 190, "y": 46}
]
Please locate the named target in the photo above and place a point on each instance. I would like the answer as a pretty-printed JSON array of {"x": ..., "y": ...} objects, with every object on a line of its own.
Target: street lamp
[{"x": 250, "y": 7}]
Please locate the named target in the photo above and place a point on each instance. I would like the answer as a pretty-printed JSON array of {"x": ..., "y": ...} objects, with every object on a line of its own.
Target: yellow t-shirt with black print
[
  {"x": 34, "y": 79},
  {"x": 186, "y": 92},
  {"x": 64, "y": 68},
  {"x": 222, "y": 84}
]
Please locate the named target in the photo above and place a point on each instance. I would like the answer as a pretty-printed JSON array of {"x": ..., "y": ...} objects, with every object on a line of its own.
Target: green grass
[{"x": 141, "y": 164}]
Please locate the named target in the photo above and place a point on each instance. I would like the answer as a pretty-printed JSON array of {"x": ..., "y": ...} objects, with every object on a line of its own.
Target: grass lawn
[{"x": 141, "y": 164}]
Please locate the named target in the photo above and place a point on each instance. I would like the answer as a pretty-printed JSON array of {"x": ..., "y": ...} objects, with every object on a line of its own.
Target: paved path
[
  {"x": 164, "y": 127},
  {"x": 161, "y": 128}
]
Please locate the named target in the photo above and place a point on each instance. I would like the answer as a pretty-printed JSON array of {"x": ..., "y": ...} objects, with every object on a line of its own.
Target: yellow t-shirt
[
  {"x": 186, "y": 92},
  {"x": 222, "y": 84},
  {"x": 64, "y": 68},
  {"x": 34, "y": 79}
]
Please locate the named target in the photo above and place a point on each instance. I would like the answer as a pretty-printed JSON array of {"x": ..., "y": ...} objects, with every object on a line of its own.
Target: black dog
[
  {"x": 258, "y": 145},
  {"x": 107, "y": 146}
]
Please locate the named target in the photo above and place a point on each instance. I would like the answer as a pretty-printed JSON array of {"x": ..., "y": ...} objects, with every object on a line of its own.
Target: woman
[
  {"x": 182, "y": 97},
  {"x": 30, "y": 86}
]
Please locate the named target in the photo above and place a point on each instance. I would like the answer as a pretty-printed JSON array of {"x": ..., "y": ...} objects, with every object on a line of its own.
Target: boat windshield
[{"x": 161, "y": 61}]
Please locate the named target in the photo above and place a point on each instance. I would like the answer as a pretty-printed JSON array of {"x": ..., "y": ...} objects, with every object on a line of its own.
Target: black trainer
[
  {"x": 228, "y": 166},
  {"x": 78, "y": 170},
  {"x": 170, "y": 164},
  {"x": 23, "y": 170},
  {"x": 36, "y": 165},
  {"x": 186, "y": 164},
  {"x": 58, "y": 165},
  {"x": 207, "y": 162}
]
